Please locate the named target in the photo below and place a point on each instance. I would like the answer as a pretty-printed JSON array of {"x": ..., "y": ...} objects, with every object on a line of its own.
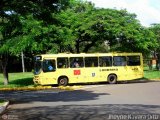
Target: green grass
[
  {"x": 152, "y": 74},
  {"x": 18, "y": 80}
]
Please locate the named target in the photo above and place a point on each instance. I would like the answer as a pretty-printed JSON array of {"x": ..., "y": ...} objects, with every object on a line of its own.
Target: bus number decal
[
  {"x": 135, "y": 69},
  {"x": 77, "y": 72},
  {"x": 110, "y": 69}
]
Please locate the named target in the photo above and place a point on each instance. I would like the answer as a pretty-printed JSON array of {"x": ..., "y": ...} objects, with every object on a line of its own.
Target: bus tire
[
  {"x": 112, "y": 79},
  {"x": 62, "y": 81}
]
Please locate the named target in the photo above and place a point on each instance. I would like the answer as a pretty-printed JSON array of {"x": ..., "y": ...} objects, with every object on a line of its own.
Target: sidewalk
[{"x": 4, "y": 106}]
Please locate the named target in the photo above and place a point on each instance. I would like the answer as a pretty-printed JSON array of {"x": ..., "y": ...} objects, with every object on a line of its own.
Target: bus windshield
[{"x": 37, "y": 67}]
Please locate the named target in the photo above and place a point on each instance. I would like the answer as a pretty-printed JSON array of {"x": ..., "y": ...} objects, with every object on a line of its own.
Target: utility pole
[{"x": 23, "y": 67}]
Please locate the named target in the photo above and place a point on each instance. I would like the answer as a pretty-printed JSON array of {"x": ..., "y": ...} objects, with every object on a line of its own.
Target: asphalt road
[{"x": 92, "y": 102}]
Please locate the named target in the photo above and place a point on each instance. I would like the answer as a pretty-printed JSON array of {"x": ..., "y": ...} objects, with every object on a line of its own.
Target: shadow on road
[
  {"x": 49, "y": 96},
  {"x": 84, "y": 112},
  {"x": 142, "y": 80}
]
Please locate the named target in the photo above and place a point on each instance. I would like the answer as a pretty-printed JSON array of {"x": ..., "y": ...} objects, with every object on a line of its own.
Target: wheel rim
[
  {"x": 62, "y": 81},
  {"x": 112, "y": 78}
]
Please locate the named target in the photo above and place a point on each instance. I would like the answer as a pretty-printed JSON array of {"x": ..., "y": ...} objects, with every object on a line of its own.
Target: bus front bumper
[{"x": 36, "y": 80}]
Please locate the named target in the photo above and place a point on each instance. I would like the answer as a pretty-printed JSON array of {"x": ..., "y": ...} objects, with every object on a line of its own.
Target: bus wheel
[
  {"x": 112, "y": 79},
  {"x": 62, "y": 81}
]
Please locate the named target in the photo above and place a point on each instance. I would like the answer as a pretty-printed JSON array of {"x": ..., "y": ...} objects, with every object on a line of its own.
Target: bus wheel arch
[
  {"x": 63, "y": 81},
  {"x": 112, "y": 78}
]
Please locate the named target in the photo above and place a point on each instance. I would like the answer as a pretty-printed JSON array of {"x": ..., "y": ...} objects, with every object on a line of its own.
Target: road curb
[
  {"x": 3, "y": 107},
  {"x": 155, "y": 79},
  {"x": 70, "y": 87},
  {"x": 26, "y": 88},
  {"x": 41, "y": 88}
]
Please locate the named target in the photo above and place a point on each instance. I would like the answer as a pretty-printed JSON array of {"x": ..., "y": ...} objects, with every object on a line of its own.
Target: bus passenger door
[{"x": 91, "y": 69}]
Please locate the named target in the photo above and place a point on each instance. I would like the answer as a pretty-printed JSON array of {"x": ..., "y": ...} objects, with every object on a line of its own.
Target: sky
[{"x": 147, "y": 11}]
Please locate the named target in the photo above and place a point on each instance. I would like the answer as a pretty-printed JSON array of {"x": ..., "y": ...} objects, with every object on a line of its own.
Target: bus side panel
[
  {"x": 92, "y": 74},
  {"x": 75, "y": 75},
  {"x": 79, "y": 75},
  {"x": 120, "y": 72},
  {"x": 134, "y": 72},
  {"x": 48, "y": 78}
]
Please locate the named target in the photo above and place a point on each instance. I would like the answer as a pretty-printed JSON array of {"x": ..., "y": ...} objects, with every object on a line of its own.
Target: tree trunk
[
  {"x": 5, "y": 75},
  {"x": 88, "y": 46},
  {"x": 4, "y": 68},
  {"x": 77, "y": 46}
]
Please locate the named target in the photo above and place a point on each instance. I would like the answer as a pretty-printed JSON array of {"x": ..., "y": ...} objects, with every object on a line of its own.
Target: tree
[
  {"x": 155, "y": 28},
  {"x": 8, "y": 30},
  {"x": 25, "y": 26}
]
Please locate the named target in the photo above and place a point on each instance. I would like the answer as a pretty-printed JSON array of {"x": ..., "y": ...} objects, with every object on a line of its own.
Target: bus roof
[{"x": 87, "y": 54}]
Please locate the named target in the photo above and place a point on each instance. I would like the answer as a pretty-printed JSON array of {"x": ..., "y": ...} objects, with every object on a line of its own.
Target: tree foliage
[
  {"x": 155, "y": 28},
  {"x": 93, "y": 27}
]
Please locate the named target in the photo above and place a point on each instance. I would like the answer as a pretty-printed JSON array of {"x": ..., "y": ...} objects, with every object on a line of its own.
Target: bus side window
[
  {"x": 91, "y": 61},
  {"x": 119, "y": 61},
  {"x": 76, "y": 62},
  {"x": 105, "y": 61},
  {"x": 62, "y": 62}
]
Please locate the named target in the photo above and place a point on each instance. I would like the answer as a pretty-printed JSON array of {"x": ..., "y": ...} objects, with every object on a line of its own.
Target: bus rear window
[{"x": 133, "y": 60}]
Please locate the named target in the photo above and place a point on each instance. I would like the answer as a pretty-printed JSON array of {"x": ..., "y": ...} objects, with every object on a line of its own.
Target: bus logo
[
  {"x": 93, "y": 74},
  {"x": 77, "y": 72}
]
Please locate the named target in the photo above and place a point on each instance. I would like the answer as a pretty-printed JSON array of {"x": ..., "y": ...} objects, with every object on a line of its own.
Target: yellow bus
[{"x": 64, "y": 68}]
